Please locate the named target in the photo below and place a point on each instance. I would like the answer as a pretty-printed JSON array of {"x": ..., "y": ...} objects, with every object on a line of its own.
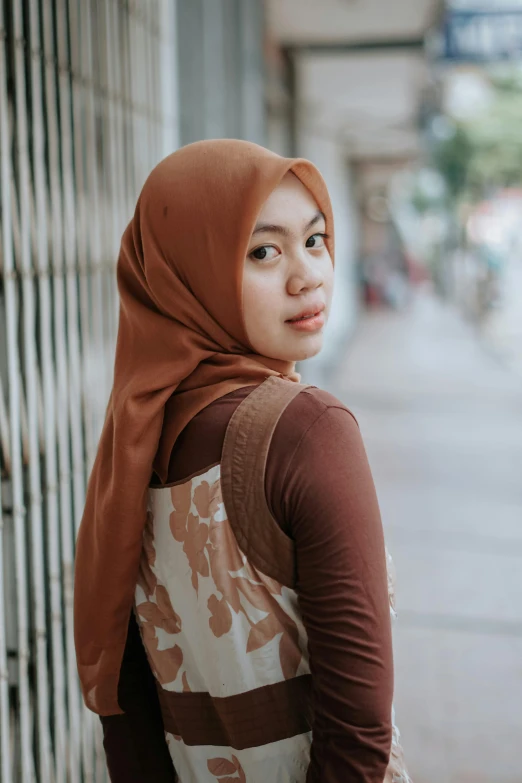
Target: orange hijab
[{"x": 181, "y": 344}]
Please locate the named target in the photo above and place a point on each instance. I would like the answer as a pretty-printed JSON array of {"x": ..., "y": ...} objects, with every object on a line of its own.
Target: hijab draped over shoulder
[{"x": 181, "y": 344}]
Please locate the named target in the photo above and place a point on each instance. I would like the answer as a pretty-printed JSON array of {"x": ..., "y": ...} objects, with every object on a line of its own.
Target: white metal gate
[{"x": 86, "y": 110}]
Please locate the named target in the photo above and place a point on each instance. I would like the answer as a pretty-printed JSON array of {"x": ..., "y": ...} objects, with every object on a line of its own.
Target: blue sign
[{"x": 482, "y": 36}]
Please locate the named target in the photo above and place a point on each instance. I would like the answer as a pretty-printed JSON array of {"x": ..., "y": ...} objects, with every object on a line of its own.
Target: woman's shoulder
[
  {"x": 316, "y": 441},
  {"x": 311, "y": 404},
  {"x": 314, "y": 420}
]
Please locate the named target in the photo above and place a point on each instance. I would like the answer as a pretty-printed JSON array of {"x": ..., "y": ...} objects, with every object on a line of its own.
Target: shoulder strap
[{"x": 243, "y": 466}]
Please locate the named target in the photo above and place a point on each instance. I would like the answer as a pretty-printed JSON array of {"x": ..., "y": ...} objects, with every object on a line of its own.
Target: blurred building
[{"x": 349, "y": 94}]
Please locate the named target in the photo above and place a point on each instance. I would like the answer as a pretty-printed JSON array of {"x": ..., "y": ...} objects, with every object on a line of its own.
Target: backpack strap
[{"x": 243, "y": 467}]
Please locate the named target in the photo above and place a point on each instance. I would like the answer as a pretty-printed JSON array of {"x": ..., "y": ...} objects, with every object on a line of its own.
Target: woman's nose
[{"x": 305, "y": 275}]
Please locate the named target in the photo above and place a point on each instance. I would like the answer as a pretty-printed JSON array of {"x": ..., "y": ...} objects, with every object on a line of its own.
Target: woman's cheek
[{"x": 261, "y": 301}]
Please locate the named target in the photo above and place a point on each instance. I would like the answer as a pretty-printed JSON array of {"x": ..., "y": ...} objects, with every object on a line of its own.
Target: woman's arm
[{"x": 330, "y": 509}]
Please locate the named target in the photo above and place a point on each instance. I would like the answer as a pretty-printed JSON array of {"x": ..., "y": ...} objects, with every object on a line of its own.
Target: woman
[{"x": 232, "y": 618}]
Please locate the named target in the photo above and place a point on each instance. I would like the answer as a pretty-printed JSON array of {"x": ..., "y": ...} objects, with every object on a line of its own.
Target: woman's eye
[
  {"x": 316, "y": 240},
  {"x": 264, "y": 253}
]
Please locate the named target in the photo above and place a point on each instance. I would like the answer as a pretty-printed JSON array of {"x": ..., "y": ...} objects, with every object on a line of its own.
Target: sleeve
[
  {"x": 134, "y": 741},
  {"x": 330, "y": 508}
]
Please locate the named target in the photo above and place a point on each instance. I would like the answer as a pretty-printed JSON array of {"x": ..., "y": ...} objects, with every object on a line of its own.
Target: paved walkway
[{"x": 442, "y": 422}]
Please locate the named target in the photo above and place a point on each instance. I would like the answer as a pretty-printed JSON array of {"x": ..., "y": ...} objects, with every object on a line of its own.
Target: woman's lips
[{"x": 308, "y": 323}]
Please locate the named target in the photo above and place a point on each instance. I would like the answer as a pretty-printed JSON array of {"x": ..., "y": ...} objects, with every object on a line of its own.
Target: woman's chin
[
  {"x": 295, "y": 350},
  {"x": 307, "y": 349},
  {"x": 308, "y": 355}
]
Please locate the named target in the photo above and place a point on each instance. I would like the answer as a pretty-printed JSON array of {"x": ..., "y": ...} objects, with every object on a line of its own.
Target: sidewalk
[{"x": 442, "y": 423}]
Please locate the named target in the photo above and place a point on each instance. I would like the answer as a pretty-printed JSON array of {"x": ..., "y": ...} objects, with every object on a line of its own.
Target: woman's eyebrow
[
  {"x": 316, "y": 218},
  {"x": 272, "y": 228}
]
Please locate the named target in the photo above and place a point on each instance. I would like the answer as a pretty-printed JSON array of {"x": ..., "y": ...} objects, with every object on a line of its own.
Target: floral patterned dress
[{"x": 226, "y": 644}]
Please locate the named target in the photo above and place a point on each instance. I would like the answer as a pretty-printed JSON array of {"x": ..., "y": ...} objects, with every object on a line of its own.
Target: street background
[
  {"x": 412, "y": 111},
  {"x": 442, "y": 423}
]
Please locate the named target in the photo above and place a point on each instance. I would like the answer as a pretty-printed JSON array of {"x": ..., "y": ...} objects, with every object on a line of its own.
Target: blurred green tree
[
  {"x": 485, "y": 153},
  {"x": 453, "y": 158}
]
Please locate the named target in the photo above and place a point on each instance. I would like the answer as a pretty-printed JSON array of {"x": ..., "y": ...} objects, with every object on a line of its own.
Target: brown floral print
[
  {"x": 220, "y": 620},
  {"x": 157, "y": 613},
  {"x": 212, "y": 551},
  {"x": 226, "y": 565},
  {"x": 181, "y": 496},
  {"x": 194, "y": 548},
  {"x": 202, "y": 499},
  {"x": 164, "y": 663},
  {"x": 225, "y": 770},
  {"x": 187, "y": 528}
]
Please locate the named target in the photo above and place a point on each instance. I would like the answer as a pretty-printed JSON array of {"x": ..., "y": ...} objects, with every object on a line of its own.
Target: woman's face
[{"x": 288, "y": 275}]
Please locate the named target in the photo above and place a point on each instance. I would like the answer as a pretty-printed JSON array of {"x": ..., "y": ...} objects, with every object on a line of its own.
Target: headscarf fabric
[{"x": 181, "y": 344}]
